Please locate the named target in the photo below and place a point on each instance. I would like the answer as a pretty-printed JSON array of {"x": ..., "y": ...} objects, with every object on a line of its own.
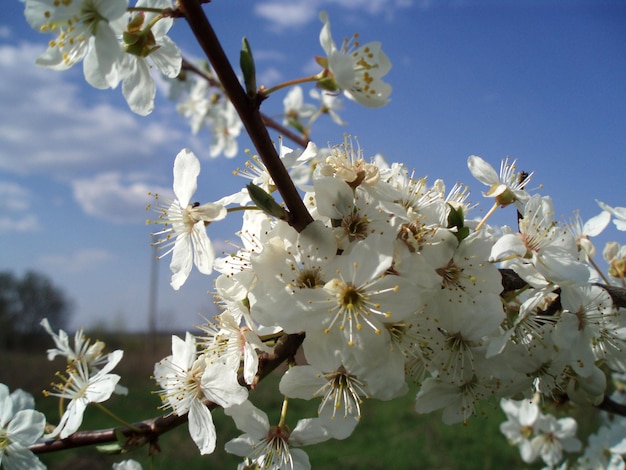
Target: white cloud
[
  {"x": 14, "y": 197},
  {"x": 50, "y": 124},
  {"x": 269, "y": 77},
  {"x": 286, "y": 14},
  {"x": 79, "y": 261},
  {"x": 16, "y": 201},
  {"x": 117, "y": 198},
  {"x": 375, "y": 7},
  {"x": 19, "y": 223},
  {"x": 269, "y": 55}
]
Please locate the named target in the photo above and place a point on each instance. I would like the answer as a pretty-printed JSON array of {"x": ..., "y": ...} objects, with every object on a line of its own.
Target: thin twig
[{"x": 268, "y": 121}]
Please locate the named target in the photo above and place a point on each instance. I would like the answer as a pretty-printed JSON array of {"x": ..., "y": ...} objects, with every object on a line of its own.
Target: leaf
[
  {"x": 456, "y": 219},
  {"x": 246, "y": 61},
  {"x": 266, "y": 202}
]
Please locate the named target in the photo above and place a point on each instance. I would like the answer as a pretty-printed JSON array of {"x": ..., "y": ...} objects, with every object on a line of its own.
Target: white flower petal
[
  {"x": 220, "y": 385},
  {"x": 167, "y": 58},
  {"x": 203, "y": 253},
  {"x": 186, "y": 171},
  {"x": 594, "y": 226},
  {"x": 201, "y": 427},
  {"x": 138, "y": 87},
  {"x": 482, "y": 171},
  {"x": 26, "y": 427},
  {"x": 182, "y": 261},
  {"x": 249, "y": 419}
]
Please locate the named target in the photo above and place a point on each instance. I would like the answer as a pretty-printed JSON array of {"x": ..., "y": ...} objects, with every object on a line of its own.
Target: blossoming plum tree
[{"x": 379, "y": 277}]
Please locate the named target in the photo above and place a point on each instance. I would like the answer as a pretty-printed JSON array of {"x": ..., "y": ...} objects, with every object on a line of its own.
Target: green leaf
[
  {"x": 246, "y": 61},
  {"x": 456, "y": 219},
  {"x": 266, "y": 202},
  {"x": 114, "y": 448}
]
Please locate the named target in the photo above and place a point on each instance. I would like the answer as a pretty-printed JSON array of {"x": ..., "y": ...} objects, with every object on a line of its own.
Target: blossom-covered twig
[
  {"x": 149, "y": 430},
  {"x": 268, "y": 121},
  {"x": 248, "y": 110}
]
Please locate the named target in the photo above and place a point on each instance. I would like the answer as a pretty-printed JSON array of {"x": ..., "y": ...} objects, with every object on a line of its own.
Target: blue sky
[{"x": 540, "y": 81}]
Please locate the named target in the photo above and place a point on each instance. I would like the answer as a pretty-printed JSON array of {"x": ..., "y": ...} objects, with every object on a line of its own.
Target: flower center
[
  {"x": 352, "y": 311},
  {"x": 450, "y": 274},
  {"x": 350, "y": 298},
  {"x": 355, "y": 226},
  {"x": 309, "y": 279},
  {"x": 343, "y": 390},
  {"x": 414, "y": 235},
  {"x": 4, "y": 439}
]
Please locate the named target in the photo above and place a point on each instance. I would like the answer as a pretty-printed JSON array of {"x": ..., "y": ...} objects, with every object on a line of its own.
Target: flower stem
[
  {"x": 283, "y": 412},
  {"x": 242, "y": 208},
  {"x": 487, "y": 215},
  {"x": 296, "y": 81},
  {"x": 105, "y": 410},
  {"x": 597, "y": 268},
  {"x": 145, "y": 10}
]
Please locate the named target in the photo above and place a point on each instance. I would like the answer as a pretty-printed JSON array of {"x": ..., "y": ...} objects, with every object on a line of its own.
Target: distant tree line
[{"x": 24, "y": 302}]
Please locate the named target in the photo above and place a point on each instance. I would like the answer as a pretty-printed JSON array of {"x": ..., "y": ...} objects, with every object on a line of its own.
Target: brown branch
[
  {"x": 149, "y": 430},
  {"x": 148, "y": 433},
  {"x": 618, "y": 294},
  {"x": 268, "y": 121},
  {"x": 248, "y": 109},
  {"x": 611, "y": 406},
  {"x": 282, "y": 130},
  {"x": 511, "y": 280}
]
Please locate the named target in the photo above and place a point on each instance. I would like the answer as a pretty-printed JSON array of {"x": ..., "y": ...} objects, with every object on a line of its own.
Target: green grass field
[{"x": 390, "y": 435}]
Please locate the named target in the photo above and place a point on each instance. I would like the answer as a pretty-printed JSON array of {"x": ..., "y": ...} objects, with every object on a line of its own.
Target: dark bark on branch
[
  {"x": 248, "y": 109},
  {"x": 618, "y": 294},
  {"x": 148, "y": 433},
  {"x": 268, "y": 121},
  {"x": 511, "y": 282},
  {"x": 612, "y": 407},
  {"x": 149, "y": 430}
]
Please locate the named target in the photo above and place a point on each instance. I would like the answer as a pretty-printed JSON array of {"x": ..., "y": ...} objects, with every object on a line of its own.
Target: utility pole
[{"x": 152, "y": 295}]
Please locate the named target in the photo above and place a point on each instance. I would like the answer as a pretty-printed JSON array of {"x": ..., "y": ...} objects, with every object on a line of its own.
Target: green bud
[
  {"x": 141, "y": 44},
  {"x": 266, "y": 202},
  {"x": 246, "y": 61},
  {"x": 134, "y": 26},
  {"x": 328, "y": 84}
]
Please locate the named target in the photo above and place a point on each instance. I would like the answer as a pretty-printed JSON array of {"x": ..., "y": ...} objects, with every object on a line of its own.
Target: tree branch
[
  {"x": 286, "y": 347},
  {"x": 149, "y": 432},
  {"x": 269, "y": 122},
  {"x": 248, "y": 109},
  {"x": 150, "y": 429},
  {"x": 612, "y": 407}
]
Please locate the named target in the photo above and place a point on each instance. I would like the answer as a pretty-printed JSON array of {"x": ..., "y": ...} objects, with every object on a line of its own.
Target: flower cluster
[
  {"x": 537, "y": 434},
  {"x": 389, "y": 281},
  {"x": 113, "y": 44},
  {"x": 87, "y": 377},
  {"x": 392, "y": 282}
]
